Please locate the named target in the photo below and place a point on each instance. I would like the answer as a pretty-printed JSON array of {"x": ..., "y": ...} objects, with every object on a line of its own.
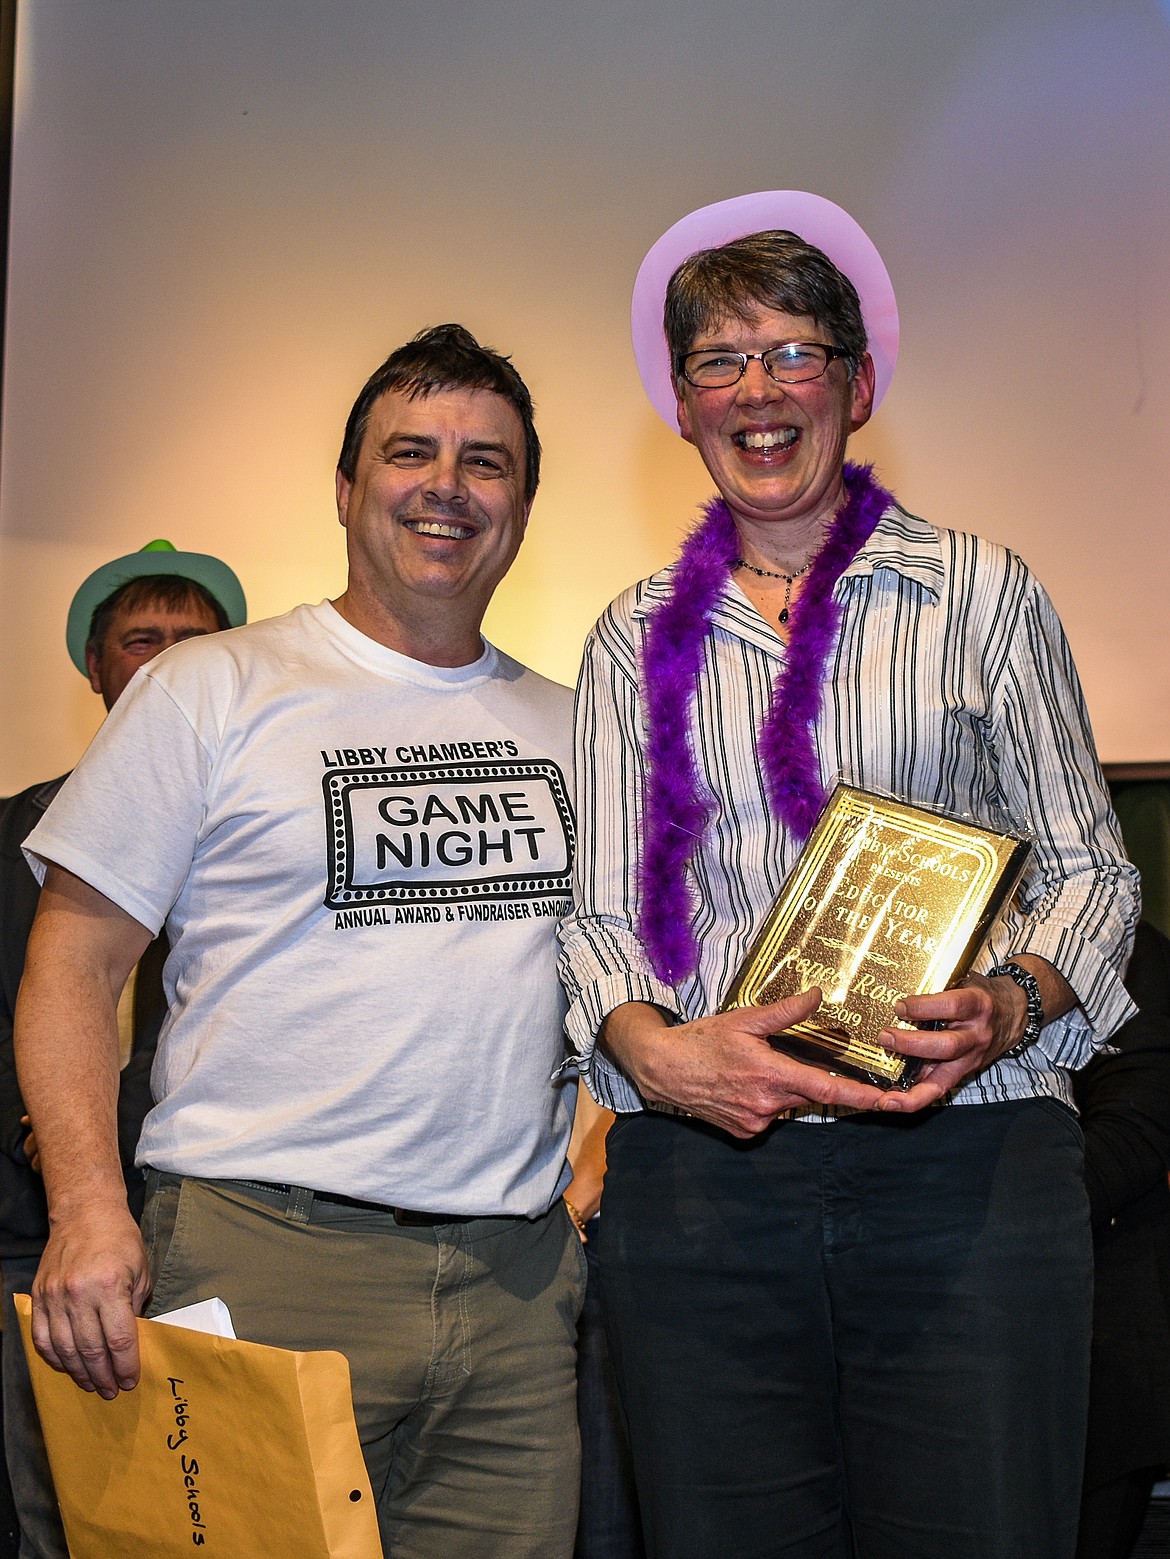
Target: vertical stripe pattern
[{"x": 952, "y": 687}]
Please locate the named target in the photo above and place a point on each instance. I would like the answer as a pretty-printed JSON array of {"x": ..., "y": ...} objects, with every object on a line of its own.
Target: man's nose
[{"x": 446, "y": 481}]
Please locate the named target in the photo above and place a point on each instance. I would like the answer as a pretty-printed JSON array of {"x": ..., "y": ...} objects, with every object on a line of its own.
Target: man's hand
[
  {"x": 92, "y": 1281},
  {"x": 722, "y": 1068}
]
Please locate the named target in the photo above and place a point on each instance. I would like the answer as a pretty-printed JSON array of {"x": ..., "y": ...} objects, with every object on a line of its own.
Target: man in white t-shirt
[{"x": 353, "y": 821}]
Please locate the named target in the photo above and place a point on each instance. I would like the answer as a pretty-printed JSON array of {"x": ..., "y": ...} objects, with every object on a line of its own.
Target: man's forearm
[
  {"x": 67, "y": 1043},
  {"x": 70, "y": 1086},
  {"x": 93, "y": 1278}
]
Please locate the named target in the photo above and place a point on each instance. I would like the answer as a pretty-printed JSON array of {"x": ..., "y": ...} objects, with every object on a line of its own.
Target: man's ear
[
  {"x": 93, "y": 666},
  {"x": 861, "y": 390},
  {"x": 344, "y": 488}
]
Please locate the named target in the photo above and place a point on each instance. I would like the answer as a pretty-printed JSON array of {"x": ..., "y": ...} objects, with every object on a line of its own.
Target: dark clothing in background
[
  {"x": 23, "y": 1219},
  {"x": 1124, "y": 1102}
]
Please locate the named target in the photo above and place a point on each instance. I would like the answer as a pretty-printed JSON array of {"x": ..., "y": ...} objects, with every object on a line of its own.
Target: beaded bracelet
[{"x": 1027, "y": 982}]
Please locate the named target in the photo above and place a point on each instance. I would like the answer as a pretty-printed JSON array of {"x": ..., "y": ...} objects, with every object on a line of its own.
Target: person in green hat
[
  {"x": 126, "y": 612},
  {"x": 129, "y": 610}
]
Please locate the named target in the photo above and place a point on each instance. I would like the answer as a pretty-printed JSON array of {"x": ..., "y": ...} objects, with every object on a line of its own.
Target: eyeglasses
[{"x": 793, "y": 363}]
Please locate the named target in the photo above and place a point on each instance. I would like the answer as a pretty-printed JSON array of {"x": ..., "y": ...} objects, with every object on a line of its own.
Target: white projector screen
[{"x": 224, "y": 215}]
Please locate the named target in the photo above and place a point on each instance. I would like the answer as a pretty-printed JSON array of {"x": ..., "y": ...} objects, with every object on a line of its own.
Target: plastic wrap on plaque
[{"x": 887, "y": 900}]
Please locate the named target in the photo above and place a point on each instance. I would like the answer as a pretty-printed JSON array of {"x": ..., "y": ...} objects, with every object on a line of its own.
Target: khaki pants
[{"x": 461, "y": 1340}]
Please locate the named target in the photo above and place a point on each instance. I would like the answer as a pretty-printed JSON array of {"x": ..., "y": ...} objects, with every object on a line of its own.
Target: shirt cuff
[
  {"x": 594, "y": 1002},
  {"x": 1104, "y": 1002}
]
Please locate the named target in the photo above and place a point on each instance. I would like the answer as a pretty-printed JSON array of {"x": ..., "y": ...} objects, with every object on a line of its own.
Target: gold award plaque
[{"x": 887, "y": 900}]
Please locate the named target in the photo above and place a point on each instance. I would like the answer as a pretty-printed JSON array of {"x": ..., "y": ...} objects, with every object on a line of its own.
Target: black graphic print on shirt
[{"x": 435, "y": 833}]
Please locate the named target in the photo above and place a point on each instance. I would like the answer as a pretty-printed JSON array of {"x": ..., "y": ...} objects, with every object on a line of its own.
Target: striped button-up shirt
[{"x": 952, "y": 687}]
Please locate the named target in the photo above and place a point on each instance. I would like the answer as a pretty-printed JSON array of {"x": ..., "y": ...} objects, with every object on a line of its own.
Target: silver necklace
[{"x": 768, "y": 573}]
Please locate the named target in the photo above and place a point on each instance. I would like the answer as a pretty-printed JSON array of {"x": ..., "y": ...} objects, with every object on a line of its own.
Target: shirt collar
[
  {"x": 907, "y": 545},
  {"x": 900, "y": 542}
]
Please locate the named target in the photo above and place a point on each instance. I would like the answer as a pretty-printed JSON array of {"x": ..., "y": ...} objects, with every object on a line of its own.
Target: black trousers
[
  {"x": 861, "y": 1340},
  {"x": 607, "y": 1526}
]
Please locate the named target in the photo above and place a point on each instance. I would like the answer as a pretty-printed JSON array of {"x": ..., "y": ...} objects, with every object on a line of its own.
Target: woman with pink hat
[{"x": 846, "y": 1321}]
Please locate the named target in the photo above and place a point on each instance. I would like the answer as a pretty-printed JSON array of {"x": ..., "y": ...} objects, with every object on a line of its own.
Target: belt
[{"x": 402, "y": 1215}]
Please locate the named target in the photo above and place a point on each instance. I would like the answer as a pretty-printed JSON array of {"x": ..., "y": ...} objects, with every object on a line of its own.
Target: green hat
[{"x": 157, "y": 557}]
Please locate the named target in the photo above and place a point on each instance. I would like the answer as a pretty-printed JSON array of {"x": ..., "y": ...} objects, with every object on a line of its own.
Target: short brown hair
[
  {"x": 772, "y": 270},
  {"x": 445, "y": 357}
]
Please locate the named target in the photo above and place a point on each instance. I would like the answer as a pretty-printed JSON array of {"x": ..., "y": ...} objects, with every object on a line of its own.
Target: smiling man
[
  {"x": 845, "y": 1323},
  {"x": 354, "y": 822}
]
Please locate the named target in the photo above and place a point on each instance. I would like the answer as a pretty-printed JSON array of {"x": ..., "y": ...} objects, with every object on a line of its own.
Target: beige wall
[{"x": 224, "y": 215}]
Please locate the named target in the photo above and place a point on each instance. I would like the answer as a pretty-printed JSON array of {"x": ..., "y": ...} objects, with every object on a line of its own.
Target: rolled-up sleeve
[
  {"x": 1080, "y": 895},
  {"x": 603, "y": 963}
]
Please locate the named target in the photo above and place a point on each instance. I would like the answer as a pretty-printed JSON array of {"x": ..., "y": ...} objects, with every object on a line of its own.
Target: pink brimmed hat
[{"x": 817, "y": 220}]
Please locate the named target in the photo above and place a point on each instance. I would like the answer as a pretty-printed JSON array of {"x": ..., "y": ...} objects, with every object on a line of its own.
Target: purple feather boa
[{"x": 676, "y": 811}]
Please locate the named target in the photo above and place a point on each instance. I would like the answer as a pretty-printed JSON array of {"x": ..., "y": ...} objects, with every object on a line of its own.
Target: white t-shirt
[{"x": 361, "y": 861}]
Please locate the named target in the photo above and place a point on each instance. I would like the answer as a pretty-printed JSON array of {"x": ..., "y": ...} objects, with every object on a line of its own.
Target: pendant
[{"x": 784, "y": 615}]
